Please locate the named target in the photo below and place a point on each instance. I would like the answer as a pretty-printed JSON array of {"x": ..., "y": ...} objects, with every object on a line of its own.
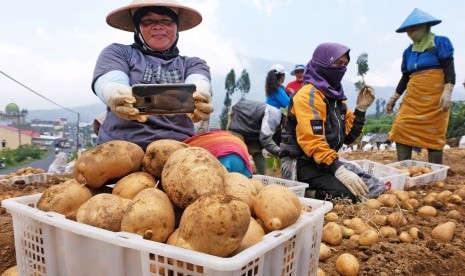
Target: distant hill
[{"x": 87, "y": 113}]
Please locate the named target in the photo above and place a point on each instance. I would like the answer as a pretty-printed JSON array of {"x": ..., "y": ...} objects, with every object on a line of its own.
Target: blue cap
[
  {"x": 297, "y": 67},
  {"x": 417, "y": 17}
]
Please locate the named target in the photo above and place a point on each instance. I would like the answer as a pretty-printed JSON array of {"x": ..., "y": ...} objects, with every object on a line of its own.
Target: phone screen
[{"x": 164, "y": 98}]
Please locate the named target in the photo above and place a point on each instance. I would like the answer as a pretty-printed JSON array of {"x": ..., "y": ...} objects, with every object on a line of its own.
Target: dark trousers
[
  {"x": 404, "y": 152},
  {"x": 325, "y": 184}
]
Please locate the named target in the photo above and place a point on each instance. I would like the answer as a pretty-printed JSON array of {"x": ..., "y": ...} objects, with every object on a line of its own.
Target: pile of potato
[
  {"x": 24, "y": 171},
  {"x": 171, "y": 193},
  {"x": 414, "y": 170}
]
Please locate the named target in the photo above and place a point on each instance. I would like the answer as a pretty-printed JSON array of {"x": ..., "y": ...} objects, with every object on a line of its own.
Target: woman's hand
[
  {"x": 119, "y": 98},
  {"x": 365, "y": 98}
]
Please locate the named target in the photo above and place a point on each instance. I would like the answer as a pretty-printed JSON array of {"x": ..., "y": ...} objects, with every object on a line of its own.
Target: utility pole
[
  {"x": 19, "y": 131},
  {"x": 77, "y": 134}
]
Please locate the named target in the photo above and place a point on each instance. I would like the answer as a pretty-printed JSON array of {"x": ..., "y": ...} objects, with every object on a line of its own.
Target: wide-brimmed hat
[
  {"x": 121, "y": 18},
  {"x": 296, "y": 68},
  {"x": 417, "y": 17}
]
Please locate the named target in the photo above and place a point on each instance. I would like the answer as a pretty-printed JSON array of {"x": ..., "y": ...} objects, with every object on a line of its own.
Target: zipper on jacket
[{"x": 339, "y": 126}]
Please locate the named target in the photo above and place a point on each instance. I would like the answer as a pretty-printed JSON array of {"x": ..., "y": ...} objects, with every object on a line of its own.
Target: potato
[
  {"x": 157, "y": 153},
  {"x": 253, "y": 236},
  {"x": 332, "y": 233},
  {"x": 405, "y": 237},
  {"x": 396, "y": 220},
  {"x": 368, "y": 237},
  {"x": 12, "y": 271},
  {"x": 238, "y": 185},
  {"x": 415, "y": 233},
  {"x": 150, "y": 215},
  {"x": 373, "y": 204},
  {"x": 191, "y": 172},
  {"x": 320, "y": 272},
  {"x": 387, "y": 232},
  {"x": 103, "y": 211},
  {"x": 64, "y": 198},
  {"x": 444, "y": 232},
  {"x": 331, "y": 216},
  {"x": 214, "y": 224},
  {"x": 131, "y": 184},
  {"x": 379, "y": 219},
  {"x": 347, "y": 232},
  {"x": 325, "y": 252},
  {"x": 454, "y": 214},
  {"x": 277, "y": 206},
  {"x": 257, "y": 183},
  {"x": 428, "y": 211},
  {"x": 347, "y": 265},
  {"x": 107, "y": 161},
  {"x": 388, "y": 200}
]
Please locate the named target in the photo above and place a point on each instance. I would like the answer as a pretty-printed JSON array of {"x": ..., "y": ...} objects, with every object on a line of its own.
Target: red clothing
[{"x": 293, "y": 87}]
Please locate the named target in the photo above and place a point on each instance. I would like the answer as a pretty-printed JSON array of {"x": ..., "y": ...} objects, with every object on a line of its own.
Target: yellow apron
[{"x": 420, "y": 122}]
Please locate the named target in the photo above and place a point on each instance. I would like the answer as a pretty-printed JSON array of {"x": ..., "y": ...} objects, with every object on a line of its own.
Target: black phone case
[{"x": 164, "y": 98}]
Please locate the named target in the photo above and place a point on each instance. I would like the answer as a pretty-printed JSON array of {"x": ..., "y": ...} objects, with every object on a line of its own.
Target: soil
[{"x": 424, "y": 256}]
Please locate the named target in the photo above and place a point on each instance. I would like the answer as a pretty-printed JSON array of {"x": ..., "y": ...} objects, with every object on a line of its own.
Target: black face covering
[{"x": 139, "y": 41}]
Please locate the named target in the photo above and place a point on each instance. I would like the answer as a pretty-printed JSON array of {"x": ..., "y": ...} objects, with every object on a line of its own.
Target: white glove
[
  {"x": 203, "y": 101},
  {"x": 445, "y": 102},
  {"x": 119, "y": 98},
  {"x": 365, "y": 98},
  {"x": 266, "y": 153},
  {"x": 392, "y": 102},
  {"x": 352, "y": 181}
]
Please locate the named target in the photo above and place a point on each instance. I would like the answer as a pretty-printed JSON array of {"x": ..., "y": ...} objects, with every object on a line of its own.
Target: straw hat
[{"x": 121, "y": 18}]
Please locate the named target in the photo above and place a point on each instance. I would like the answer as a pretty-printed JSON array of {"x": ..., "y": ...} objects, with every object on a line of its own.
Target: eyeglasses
[{"x": 167, "y": 22}]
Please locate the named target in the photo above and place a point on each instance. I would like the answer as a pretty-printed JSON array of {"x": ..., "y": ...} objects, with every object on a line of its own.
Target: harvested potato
[
  {"x": 12, "y": 271},
  {"x": 257, "y": 183},
  {"x": 347, "y": 265},
  {"x": 428, "y": 211},
  {"x": 347, "y": 232},
  {"x": 444, "y": 232},
  {"x": 130, "y": 185},
  {"x": 444, "y": 196},
  {"x": 277, "y": 206},
  {"x": 108, "y": 161},
  {"x": 238, "y": 185},
  {"x": 157, "y": 153},
  {"x": 388, "y": 200},
  {"x": 331, "y": 216},
  {"x": 373, "y": 204},
  {"x": 379, "y": 220},
  {"x": 325, "y": 252},
  {"x": 387, "y": 232},
  {"x": 253, "y": 236},
  {"x": 150, "y": 215},
  {"x": 332, "y": 233},
  {"x": 405, "y": 237},
  {"x": 415, "y": 233},
  {"x": 320, "y": 272},
  {"x": 214, "y": 224},
  {"x": 103, "y": 211},
  {"x": 191, "y": 172},
  {"x": 368, "y": 237},
  {"x": 396, "y": 220},
  {"x": 64, "y": 198},
  {"x": 454, "y": 214}
]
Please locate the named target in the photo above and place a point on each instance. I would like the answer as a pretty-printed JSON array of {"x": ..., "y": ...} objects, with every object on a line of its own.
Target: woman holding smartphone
[{"x": 152, "y": 58}]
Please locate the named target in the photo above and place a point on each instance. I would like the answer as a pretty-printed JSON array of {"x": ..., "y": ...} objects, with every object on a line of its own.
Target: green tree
[
  {"x": 230, "y": 87},
  {"x": 378, "y": 108},
  {"x": 456, "y": 120},
  {"x": 243, "y": 84}
]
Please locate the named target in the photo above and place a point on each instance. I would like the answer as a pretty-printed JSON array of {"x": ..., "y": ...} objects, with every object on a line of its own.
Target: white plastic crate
[
  {"x": 438, "y": 173},
  {"x": 49, "y": 244},
  {"x": 297, "y": 187},
  {"x": 393, "y": 178}
]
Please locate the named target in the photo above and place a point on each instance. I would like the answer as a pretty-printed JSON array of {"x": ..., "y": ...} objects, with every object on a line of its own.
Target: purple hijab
[{"x": 319, "y": 72}]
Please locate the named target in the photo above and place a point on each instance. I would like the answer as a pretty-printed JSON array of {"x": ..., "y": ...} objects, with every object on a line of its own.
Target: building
[
  {"x": 12, "y": 114},
  {"x": 13, "y": 136}
]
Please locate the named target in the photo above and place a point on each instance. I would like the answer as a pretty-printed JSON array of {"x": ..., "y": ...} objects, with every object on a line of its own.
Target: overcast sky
[{"x": 51, "y": 45}]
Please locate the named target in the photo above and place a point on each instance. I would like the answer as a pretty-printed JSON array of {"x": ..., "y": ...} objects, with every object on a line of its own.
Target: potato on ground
[
  {"x": 108, "y": 161},
  {"x": 238, "y": 185},
  {"x": 214, "y": 224},
  {"x": 347, "y": 265},
  {"x": 332, "y": 233},
  {"x": 444, "y": 232},
  {"x": 130, "y": 185},
  {"x": 157, "y": 154},
  {"x": 12, "y": 271},
  {"x": 103, "y": 211},
  {"x": 190, "y": 173},
  {"x": 277, "y": 206},
  {"x": 64, "y": 198},
  {"x": 253, "y": 236},
  {"x": 150, "y": 214}
]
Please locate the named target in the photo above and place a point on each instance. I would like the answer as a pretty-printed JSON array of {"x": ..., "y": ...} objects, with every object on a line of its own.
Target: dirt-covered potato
[
  {"x": 191, "y": 172},
  {"x": 214, "y": 224},
  {"x": 107, "y": 161},
  {"x": 253, "y": 236},
  {"x": 130, "y": 185},
  {"x": 277, "y": 206},
  {"x": 150, "y": 215},
  {"x": 238, "y": 185},
  {"x": 64, "y": 198},
  {"x": 103, "y": 211},
  {"x": 157, "y": 153}
]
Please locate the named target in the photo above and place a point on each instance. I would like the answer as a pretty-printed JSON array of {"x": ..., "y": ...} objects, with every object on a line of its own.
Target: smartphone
[{"x": 174, "y": 98}]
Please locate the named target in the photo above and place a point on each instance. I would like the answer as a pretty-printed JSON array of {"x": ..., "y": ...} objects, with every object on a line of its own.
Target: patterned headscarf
[{"x": 319, "y": 72}]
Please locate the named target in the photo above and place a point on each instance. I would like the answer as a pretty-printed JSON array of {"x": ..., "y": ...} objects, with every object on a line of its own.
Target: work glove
[
  {"x": 352, "y": 181},
  {"x": 203, "y": 102},
  {"x": 266, "y": 153},
  {"x": 365, "y": 98},
  {"x": 445, "y": 102},
  {"x": 392, "y": 102},
  {"x": 119, "y": 98}
]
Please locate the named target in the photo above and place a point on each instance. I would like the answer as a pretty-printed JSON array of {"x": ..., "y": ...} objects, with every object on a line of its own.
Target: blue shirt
[
  {"x": 413, "y": 62},
  {"x": 279, "y": 98}
]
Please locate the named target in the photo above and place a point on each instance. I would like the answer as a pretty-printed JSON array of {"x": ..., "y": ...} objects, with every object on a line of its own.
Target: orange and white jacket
[{"x": 317, "y": 127}]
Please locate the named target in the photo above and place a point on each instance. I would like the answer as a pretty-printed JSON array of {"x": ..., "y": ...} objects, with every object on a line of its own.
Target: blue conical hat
[{"x": 418, "y": 17}]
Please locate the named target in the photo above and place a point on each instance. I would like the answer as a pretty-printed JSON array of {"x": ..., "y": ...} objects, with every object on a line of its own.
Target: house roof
[{"x": 27, "y": 132}]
